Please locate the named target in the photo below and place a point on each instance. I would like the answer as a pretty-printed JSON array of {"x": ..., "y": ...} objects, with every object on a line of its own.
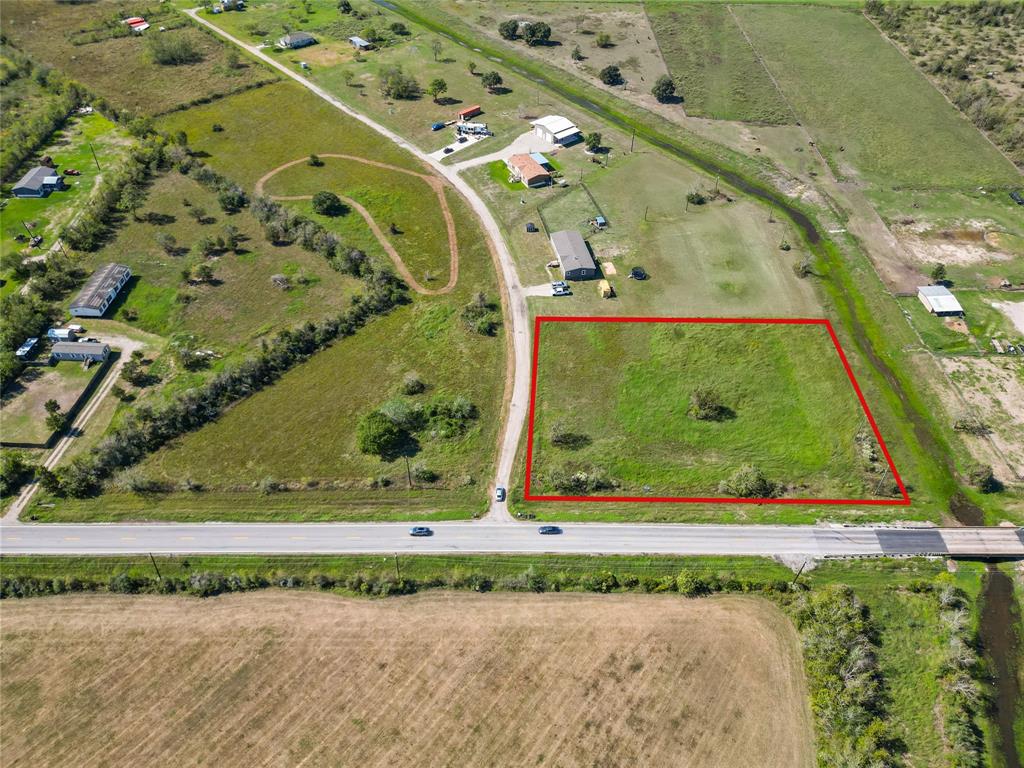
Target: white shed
[{"x": 557, "y": 130}]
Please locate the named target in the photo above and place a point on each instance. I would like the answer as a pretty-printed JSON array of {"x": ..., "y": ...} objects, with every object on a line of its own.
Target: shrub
[
  {"x": 509, "y": 29},
  {"x": 971, "y": 424},
  {"x": 563, "y": 438},
  {"x": 412, "y": 384},
  {"x": 377, "y": 434},
  {"x": 423, "y": 474},
  {"x": 664, "y": 89},
  {"x": 696, "y": 197},
  {"x": 706, "y": 404},
  {"x": 172, "y": 49},
  {"x": 691, "y": 584},
  {"x": 328, "y": 204},
  {"x": 981, "y": 477},
  {"x": 603, "y": 40},
  {"x": 536, "y": 33},
  {"x": 15, "y": 471},
  {"x": 395, "y": 84},
  {"x": 611, "y": 75},
  {"x": 217, "y": 128},
  {"x": 749, "y": 482}
]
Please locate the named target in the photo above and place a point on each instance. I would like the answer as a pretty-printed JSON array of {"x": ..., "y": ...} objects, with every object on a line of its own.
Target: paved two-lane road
[{"x": 509, "y": 538}]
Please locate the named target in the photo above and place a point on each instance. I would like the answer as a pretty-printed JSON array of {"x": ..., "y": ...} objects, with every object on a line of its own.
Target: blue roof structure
[{"x": 537, "y": 156}]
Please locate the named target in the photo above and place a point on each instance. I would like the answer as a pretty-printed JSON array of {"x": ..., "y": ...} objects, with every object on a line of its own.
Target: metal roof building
[
  {"x": 573, "y": 255},
  {"x": 39, "y": 182},
  {"x": 939, "y": 301},
  {"x": 296, "y": 40},
  {"x": 96, "y": 351},
  {"x": 100, "y": 290},
  {"x": 557, "y": 129}
]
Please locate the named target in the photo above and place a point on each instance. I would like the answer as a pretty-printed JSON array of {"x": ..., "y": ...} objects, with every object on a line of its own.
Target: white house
[
  {"x": 939, "y": 301},
  {"x": 296, "y": 40},
  {"x": 100, "y": 290},
  {"x": 557, "y": 130}
]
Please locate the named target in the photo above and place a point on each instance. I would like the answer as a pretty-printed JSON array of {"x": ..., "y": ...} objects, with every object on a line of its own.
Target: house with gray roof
[
  {"x": 100, "y": 290},
  {"x": 296, "y": 40},
  {"x": 93, "y": 351},
  {"x": 39, "y": 182},
  {"x": 573, "y": 255}
]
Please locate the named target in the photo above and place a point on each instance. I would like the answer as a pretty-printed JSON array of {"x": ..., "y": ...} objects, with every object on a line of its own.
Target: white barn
[
  {"x": 100, "y": 290},
  {"x": 557, "y": 130},
  {"x": 939, "y": 301}
]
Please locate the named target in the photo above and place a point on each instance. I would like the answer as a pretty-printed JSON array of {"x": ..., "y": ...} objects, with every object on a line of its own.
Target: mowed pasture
[
  {"x": 720, "y": 75},
  {"x": 431, "y": 680},
  {"x": 873, "y": 116},
  {"x": 121, "y": 69},
  {"x": 625, "y": 392}
]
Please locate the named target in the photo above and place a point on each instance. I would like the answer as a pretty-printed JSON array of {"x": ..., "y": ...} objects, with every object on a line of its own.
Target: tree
[
  {"x": 51, "y": 406},
  {"x": 436, "y": 87},
  {"x": 232, "y": 237},
  {"x": 938, "y": 273},
  {"x": 395, "y": 84},
  {"x": 592, "y": 141},
  {"x": 471, "y": 66},
  {"x": 376, "y": 434},
  {"x": 399, "y": 29},
  {"x": 315, "y": 161},
  {"x": 198, "y": 213},
  {"x": 55, "y": 419},
  {"x": 664, "y": 89},
  {"x": 328, "y": 204},
  {"x": 577, "y": 54},
  {"x": 536, "y": 33},
  {"x": 491, "y": 80},
  {"x": 204, "y": 273},
  {"x": 345, "y": 6},
  {"x": 370, "y": 34},
  {"x": 509, "y": 29},
  {"x": 132, "y": 198},
  {"x": 168, "y": 243},
  {"x": 611, "y": 75},
  {"x": 603, "y": 40},
  {"x": 436, "y": 48}
]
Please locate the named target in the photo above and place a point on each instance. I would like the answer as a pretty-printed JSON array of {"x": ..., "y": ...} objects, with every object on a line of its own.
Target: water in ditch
[{"x": 1000, "y": 633}]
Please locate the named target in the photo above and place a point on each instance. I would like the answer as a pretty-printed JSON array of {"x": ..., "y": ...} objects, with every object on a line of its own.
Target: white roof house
[
  {"x": 556, "y": 129},
  {"x": 939, "y": 301}
]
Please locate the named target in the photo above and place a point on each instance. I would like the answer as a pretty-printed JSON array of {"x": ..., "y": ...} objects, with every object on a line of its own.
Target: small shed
[
  {"x": 296, "y": 40},
  {"x": 605, "y": 289},
  {"x": 359, "y": 44},
  {"x": 93, "y": 351},
  {"x": 573, "y": 255},
  {"x": 468, "y": 112},
  {"x": 938, "y": 300},
  {"x": 61, "y": 334}
]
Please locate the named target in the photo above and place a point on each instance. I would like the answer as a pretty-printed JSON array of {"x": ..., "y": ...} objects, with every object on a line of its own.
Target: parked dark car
[
  {"x": 1017, "y": 197},
  {"x": 499, "y": 493},
  {"x": 549, "y": 530},
  {"x": 448, "y": 150},
  {"x": 420, "y": 530}
]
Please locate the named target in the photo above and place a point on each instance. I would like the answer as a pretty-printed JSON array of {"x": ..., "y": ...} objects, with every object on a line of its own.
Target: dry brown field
[{"x": 307, "y": 679}]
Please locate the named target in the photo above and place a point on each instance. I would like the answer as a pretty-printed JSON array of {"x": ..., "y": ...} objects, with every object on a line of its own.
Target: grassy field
[
  {"x": 69, "y": 148},
  {"x": 391, "y": 197},
  {"x": 625, "y": 389},
  {"x": 461, "y": 678},
  {"x": 887, "y": 125},
  {"x": 721, "y": 76},
  {"x": 242, "y": 304},
  {"x": 120, "y": 69},
  {"x": 267, "y": 127},
  {"x": 23, "y": 414},
  {"x": 719, "y": 259}
]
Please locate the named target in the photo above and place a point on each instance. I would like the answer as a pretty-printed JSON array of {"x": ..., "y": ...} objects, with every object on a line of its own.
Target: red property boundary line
[{"x": 904, "y": 501}]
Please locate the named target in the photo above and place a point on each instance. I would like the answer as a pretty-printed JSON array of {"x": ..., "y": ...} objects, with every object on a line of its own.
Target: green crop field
[
  {"x": 873, "y": 116},
  {"x": 85, "y": 41},
  {"x": 720, "y": 74},
  {"x": 241, "y": 304},
  {"x": 625, "y": 391}
]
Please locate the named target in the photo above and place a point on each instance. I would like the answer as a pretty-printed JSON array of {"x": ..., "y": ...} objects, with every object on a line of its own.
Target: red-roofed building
[{"x": 527, "y": 170}]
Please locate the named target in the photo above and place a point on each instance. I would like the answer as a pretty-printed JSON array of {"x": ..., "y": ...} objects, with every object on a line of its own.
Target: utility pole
[
  {"x": 60, "y": 244},
  {"x": 716, "y": 185},
  {"x": 94, "y": 158},
  {"x": 398, "y": 569},
  {"x": 153, "y": 561},
  {"x": 771, "y": 210},
  {"x": 27, "y": 229},
  {"x": 801, "y": 570},
  {"x": 408, "y": 472}
]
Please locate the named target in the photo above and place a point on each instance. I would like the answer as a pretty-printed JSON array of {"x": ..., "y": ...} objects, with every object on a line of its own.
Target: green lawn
[
  {"x": 720, "y": 74},
  {"x": 626, "y": 387},
  {"x": 872, "y": 114},
  {"x": 242, "y": 305},
  {"x": 121, "y": 69},
  {"x": 23, "y": 414},
  {"x": 69, "y": 148}
]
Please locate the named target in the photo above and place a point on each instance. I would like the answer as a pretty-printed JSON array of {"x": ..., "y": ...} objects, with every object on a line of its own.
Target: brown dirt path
[{"x": 432, "y": 181}]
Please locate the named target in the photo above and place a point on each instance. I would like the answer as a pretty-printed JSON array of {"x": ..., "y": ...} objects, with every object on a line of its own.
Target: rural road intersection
[{"x": 497, "y": 533}]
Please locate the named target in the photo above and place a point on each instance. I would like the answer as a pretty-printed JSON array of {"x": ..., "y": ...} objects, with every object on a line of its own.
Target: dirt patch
[
  {"x": 994, "y": 388},
  {"x": 972, "y": 244},
  {"x": 1013, "y": 310},
  {"x": 435, "y": 680}
]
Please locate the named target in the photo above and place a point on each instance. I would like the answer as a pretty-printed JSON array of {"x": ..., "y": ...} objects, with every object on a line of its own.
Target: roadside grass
[
  {"x": 392, "y": 198},
  {"x": 242, "y": 305},
  {"x": 70, "y": 148},
  {"x": 721, "y": 76},
  {"x": 23, "y": 414},
  {"x": 887, "y": 124},
  {"x": 719, "y": 259},
  {"x": 267, "y": 127},
  {"x": 120, "y": 69},
  {"x": 626, "y": 388}
]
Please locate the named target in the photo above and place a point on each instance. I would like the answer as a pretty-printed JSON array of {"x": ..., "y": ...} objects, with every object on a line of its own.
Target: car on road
[
  {"x": 499, "y": 493},
  {"x": 448, "y": 150},
  {"x": 549, "y": 530},
  {"x": 420, "y": 530}
]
